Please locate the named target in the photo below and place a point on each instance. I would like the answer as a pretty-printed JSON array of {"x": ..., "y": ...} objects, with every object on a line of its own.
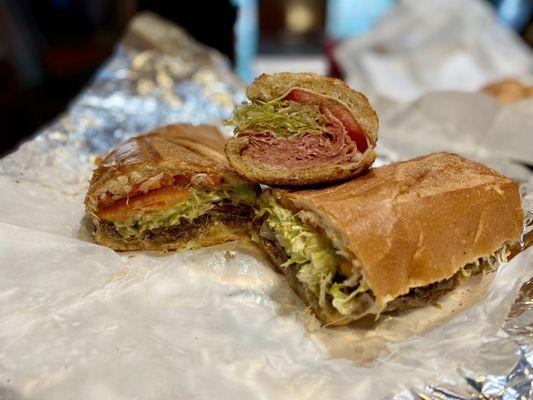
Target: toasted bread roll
[{"x": 509, "y": 91}]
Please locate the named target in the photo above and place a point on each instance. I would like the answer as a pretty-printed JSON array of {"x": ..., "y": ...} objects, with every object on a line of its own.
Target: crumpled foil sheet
[
  {"x": 517, "y": 384},
  {"x": 159, "y": 75}
]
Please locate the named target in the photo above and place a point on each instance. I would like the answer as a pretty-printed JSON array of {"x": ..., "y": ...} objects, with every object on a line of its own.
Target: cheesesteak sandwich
[
  {"x": 399, "y": 237},
  {"x": 171, "y": 188},
  {"x": 509, "y": 90},
  {"x": 302, "y": 129}
]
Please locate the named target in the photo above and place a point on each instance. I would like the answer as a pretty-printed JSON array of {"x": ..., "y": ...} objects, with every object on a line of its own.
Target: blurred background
[{"x": 49, "y": 49}]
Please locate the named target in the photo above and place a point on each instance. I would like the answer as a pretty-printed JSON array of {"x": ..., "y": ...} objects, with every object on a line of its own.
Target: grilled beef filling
[{"x": 235, "y": 218}]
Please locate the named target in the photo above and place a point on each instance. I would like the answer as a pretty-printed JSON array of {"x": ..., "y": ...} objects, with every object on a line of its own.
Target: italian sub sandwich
[
  {"x": 509, "y": 91},
  {"x": 171, "y": 188},
  {"x": 398, "y": 237},
  {"x": 302, "y": 129}
]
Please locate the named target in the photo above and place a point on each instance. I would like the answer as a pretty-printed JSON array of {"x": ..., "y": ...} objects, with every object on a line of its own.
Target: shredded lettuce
[
  {"x": 346, "y": 303},
  {"x": 243, "y": 193},
  {"x": 313, "y": 255},
  {"x": 283, "y": 118},
  {"x": 492, "y": 262},
  {"x": 199, "y": 202}
]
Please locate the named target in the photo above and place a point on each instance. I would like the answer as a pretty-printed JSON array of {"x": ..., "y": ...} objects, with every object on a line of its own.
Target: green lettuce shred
[
  {"x": 283, "y": 118},
  {"x": 470, "y": 269},
  {"x": 346, "y": 303},
  {"x": 491, "y": 262},
  {"x": 199, "y": 202},
  {"x": 314, "y": 256}
]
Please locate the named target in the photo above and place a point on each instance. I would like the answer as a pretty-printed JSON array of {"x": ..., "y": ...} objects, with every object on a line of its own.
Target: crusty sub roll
[
  {"x": 509, "y": 91},
  {"x": 302, "y": 129},
  {"x": 398, "y": 237},
  {"x": 171, "y": 188}
]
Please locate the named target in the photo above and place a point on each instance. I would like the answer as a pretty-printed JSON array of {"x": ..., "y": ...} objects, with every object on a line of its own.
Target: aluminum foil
[{"x": 81, "y": 321}]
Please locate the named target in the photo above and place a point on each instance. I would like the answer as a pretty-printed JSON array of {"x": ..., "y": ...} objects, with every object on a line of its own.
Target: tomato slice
[{"x": 123, "y": 209}]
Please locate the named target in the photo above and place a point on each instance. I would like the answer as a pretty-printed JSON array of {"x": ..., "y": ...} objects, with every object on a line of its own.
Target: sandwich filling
[
  {"x": 331, "y": 277},
  {"x": 171, "y": 206},
  {"x": 325, "y": 271},
  {"x": 299, "y": 131}
]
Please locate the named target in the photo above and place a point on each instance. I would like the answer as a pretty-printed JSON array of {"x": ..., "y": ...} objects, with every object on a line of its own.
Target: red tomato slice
[{"x": 123, "y": 209}]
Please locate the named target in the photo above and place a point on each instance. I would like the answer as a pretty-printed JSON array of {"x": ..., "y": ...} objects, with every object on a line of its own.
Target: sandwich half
[
  {"x": 302, "y": 129},
  {"x": 398, "y": 237},
  {"x": 509, "y": 91},
  {"x": 169, "y": 189}
]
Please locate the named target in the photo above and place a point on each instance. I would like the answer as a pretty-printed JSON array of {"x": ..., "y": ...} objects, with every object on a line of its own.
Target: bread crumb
[{"x": 229, "y": 255}]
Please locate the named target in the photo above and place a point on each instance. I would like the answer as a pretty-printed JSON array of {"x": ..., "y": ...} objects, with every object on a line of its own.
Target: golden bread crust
[
  {"x": 169, "y": 146},
  {"x": 417, "y": 222},
  {"x": 170, "y": 150}
]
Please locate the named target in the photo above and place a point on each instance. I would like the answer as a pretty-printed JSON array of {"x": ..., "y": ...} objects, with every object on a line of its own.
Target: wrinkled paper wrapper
[
  {"x": 80, "y": 321},
  {"x": 423, "y": 46}
]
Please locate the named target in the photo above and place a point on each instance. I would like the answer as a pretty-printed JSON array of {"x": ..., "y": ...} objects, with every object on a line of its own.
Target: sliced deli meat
[
  {"x": 302, "y": 129},
  {"x": 333, "y": 147}
]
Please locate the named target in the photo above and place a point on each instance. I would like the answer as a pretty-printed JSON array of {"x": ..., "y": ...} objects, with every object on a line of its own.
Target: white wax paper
[
  {"x": 79, "y": 321},
  {"x": 431, "y": 45},
  {"x": 472, "y": 124}
]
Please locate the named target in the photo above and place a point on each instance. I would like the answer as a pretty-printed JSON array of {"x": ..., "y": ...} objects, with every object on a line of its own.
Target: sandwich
[
  {"x": 398, "y": 237},
  {"x": 509, "y": 90},
  {"x": 302, "y": 129},
  {"x": 169, "y": 189}
]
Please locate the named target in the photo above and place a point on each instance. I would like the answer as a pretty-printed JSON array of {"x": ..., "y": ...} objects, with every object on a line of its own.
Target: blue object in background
[
  {"x": 514, "y": 13},
  {"x": 246, "y": 38},
  {"x": 347, "y": 18}
]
